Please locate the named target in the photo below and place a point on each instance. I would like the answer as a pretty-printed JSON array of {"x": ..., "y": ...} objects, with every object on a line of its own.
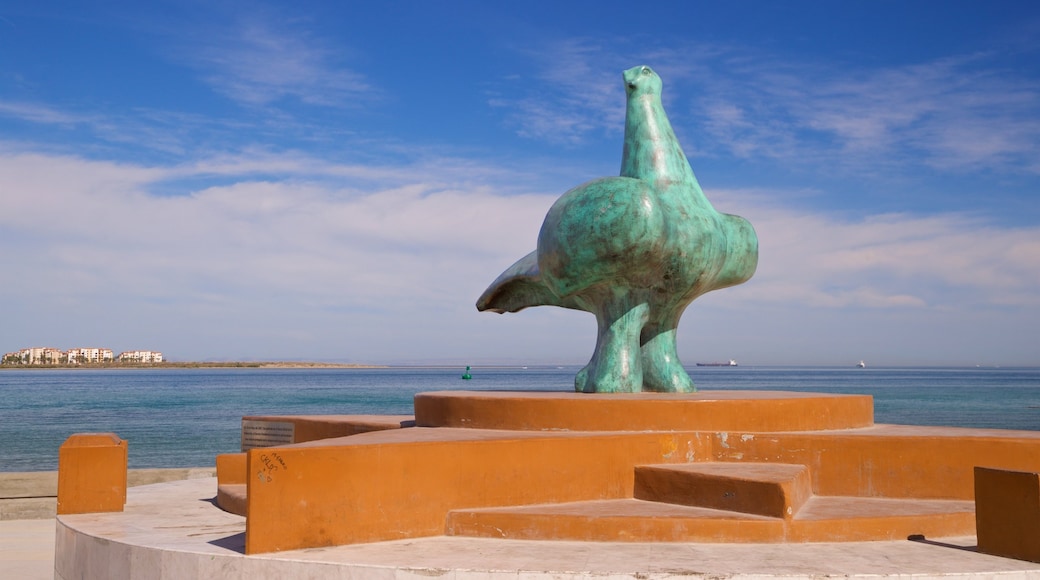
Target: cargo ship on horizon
[{"x": 730, "y": 363}]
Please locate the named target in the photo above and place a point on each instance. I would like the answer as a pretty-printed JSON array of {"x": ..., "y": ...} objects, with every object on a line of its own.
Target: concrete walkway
[
  {"x": 27, "y": 549},
  {"x": 197, "y": 540},
  {"x": 27, "y": 508}
]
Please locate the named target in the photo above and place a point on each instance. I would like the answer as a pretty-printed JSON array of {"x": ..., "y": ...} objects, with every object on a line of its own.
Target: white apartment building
[
  {"x": 89, "y": 355},
  {"x": 37, "y": 356},
  {"x": 140, "y": 356}
]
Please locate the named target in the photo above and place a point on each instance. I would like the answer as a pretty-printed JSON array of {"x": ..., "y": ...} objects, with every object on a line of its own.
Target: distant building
[
  {"x": 140, "y": 356},
  {"x": 35, "y": 356},
  {"x": 89, "y": 355},
  {"x": 77, "y": 356}
]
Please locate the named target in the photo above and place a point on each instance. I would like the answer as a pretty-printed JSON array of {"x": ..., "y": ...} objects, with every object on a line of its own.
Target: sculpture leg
[
  {"x": 616, "y": 365},
  {"x": 662, "y": 370}
]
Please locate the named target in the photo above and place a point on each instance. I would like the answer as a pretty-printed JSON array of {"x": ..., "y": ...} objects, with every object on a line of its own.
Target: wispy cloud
[
  {"x": 166, "y": 132},
  {"x": 40, "y": 113},
  {"x": 262, "y": 59},
  {"x": 953, "y": 114},
  {"x": 569, "y": 98},
  {"x": 939, "y": 262}
]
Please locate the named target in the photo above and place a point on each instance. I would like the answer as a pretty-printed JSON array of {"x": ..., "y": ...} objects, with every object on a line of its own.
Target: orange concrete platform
[
  {"x": 710, "y": 467},
  {"x": 831, "y": 519}
]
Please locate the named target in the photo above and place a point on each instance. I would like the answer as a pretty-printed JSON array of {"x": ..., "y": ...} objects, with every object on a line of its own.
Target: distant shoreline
[{"x": 198, "y": 365}]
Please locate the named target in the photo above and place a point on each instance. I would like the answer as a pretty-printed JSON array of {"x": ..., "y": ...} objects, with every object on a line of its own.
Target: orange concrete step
[
  {"x": 822, "y": 519},
  {"x": 614, "y": 520},
  {"x": 767, "y": 489},
  {"x": 231, "y": 497},
  {"x": 863, "y": 519}
]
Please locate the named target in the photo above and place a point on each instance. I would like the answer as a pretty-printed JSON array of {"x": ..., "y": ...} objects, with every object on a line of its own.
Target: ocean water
[{"x": 185, "y": 417}]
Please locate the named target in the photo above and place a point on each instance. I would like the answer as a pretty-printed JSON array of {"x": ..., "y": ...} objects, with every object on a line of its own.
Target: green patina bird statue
[{"x": 634, "y": 250}]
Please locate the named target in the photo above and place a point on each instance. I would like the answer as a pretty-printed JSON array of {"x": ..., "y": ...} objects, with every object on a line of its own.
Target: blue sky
[{"x": 339, "y": 181}]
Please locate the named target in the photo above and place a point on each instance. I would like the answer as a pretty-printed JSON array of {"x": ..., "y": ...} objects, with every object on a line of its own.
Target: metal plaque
[{"x": 266, "y": 433}]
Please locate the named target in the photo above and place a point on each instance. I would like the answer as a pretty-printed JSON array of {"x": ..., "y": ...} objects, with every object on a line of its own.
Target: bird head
[{"x": 641, "y": 80}]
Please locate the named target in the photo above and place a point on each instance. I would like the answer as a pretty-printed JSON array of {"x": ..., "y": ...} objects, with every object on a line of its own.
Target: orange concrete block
[
  {"x": 1007, "y": 513},
  {"x": 385, "y": 489},
  {"x": 92, "y": 473},
  {"x": 768, "y": 489}
]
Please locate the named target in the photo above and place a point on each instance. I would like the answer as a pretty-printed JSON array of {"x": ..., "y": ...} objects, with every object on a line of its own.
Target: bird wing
[
  {"x": 519, "y": 287},
  {"x": 741, "y": 253}
]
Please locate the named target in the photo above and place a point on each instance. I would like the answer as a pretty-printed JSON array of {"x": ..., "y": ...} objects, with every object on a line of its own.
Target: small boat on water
[
  {"x": 861, "y": 365},
  {"x": 731, "y": 363}
]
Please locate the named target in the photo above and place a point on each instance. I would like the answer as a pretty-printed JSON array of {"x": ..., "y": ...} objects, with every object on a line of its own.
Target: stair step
[
  {"x": 822, "y": 519},
  {"x": 615, "y": 520},
  {"x": 231, "y": 497},
  {"x": 768, "y": 489}
]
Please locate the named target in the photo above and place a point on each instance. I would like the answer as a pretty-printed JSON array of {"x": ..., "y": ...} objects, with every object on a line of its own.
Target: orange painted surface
[
  {"x": 768, "y": 489},
  {"x": 231, "y": 497},
  {"x": 541, "y": 465},
  {"x": 592, "y": 525},
  {"x": 1008, "y": 513},
  {"x": 231, "y": 468},
  {"x": 881, "y": 527},
  {"x": 632, "y": 521},
  {"x": 231, "y": 482},
  {"x": 756, "y": 411},
  {"x": 92, "y": 473},
  {"x": 889, "y": 460}
]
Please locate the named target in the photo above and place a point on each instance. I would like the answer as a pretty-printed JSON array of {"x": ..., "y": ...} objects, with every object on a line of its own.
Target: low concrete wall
[{"x": 33, "y": 495}]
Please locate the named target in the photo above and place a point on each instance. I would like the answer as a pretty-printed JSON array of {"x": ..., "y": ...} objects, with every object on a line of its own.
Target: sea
[{"x": 179, "y": 417}]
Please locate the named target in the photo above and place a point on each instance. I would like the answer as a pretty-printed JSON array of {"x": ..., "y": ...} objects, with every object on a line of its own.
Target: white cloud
[
  {"x": 252, "y": 240},
  {"x": 38, "y": 113},
  {"x": 944, "y": 261},
  {"x": 390, "y": 271}
]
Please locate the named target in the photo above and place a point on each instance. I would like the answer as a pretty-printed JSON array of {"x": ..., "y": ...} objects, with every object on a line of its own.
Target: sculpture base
[{"x": 702, "y": 467}]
